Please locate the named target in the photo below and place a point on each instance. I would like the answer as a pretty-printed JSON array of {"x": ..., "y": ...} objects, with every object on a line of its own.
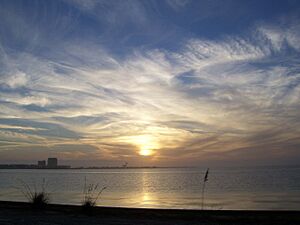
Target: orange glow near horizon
[
  {"x": 145, "y": 152},
  {"x": 146, "y": 143}
]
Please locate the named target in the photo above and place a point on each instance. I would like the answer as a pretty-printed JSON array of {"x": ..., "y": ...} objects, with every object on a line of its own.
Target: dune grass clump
[
  {"x": 38, "y": 199},
  {"x": 91, "y": 194},
  {"x": 203, "y": 187}
]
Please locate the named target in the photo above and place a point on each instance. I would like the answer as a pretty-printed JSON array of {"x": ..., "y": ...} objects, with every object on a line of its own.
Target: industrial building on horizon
[{"x": 52, "y": 163}]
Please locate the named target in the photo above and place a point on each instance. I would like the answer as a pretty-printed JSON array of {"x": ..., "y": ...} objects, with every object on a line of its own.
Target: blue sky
[{"x": 150, "y": 82}]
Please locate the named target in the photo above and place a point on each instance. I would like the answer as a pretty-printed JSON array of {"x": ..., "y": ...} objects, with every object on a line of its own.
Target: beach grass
[
  {"x": 91, "y": 194},
  {"x": 38, "y": 198}
]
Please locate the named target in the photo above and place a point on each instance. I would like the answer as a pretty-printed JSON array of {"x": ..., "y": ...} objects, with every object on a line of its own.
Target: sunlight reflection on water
[{"x": 266, "y": 188}]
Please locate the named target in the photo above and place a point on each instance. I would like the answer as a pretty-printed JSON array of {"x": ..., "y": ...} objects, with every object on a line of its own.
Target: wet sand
[{"x": 18, "y": 213}]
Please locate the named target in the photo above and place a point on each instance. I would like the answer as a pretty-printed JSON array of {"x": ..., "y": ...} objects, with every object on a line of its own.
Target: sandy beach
[{"x": 18, "y": 213}]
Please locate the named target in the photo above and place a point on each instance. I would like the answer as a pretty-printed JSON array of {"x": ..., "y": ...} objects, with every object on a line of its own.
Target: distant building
[
  {"x": 52, "y": 163},
  {"x": 42, "y": 163}
]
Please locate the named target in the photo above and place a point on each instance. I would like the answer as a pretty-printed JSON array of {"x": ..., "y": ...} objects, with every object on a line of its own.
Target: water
[{"x": 227, "y": 188}]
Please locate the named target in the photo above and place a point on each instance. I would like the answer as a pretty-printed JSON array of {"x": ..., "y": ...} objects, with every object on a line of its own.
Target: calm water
[{"x": 235, "y": 188}]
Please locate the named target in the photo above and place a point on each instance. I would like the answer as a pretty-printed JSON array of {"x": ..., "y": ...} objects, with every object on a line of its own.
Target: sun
[
  {"x": 145, "y": 152},
  {"x": 146, "y": 144}
]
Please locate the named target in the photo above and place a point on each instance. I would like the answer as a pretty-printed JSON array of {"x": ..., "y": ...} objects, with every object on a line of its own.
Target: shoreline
[
  {"x": 35, "y": 167},
  {"x": 12, "y": 212}
]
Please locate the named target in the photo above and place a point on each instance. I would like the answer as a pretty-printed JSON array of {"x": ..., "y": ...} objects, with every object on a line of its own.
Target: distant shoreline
[
  {"x": 63, "y": 167},
  {"x": 79, "y": 168},
  {"x": 12, "y": 212}
]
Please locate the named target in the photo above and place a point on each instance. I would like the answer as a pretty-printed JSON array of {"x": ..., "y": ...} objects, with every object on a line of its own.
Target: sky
[{"x": 151, "y": 83}]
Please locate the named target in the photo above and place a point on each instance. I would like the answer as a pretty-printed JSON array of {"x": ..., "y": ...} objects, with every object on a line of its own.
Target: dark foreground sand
[{"x": 22, "y": 213}]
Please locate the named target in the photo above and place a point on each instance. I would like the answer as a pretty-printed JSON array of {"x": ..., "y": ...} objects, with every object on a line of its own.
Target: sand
[{"x": 22, "y": 213}]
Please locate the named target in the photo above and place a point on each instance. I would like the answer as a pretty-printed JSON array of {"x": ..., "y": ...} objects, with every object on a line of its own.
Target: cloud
[
  {"x": 177, "y": 4},
  {"x": 17, "y": 80},
  {"x": 282, "y": 37},
  {"x": 117, "y": 13},
  {"x": 204, "y": 100},
  {"x": 38, "y": 128},
  {"x": 84, "y": 5}
]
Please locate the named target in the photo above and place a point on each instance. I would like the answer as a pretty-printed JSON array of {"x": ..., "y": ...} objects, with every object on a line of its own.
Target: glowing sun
[
  {"x": 145, "y": 152},
  {"x": 145, "y": 143}
]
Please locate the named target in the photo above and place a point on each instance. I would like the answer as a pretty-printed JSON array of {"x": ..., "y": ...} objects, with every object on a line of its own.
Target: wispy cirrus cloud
[{"x": 207, "y": 100}]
